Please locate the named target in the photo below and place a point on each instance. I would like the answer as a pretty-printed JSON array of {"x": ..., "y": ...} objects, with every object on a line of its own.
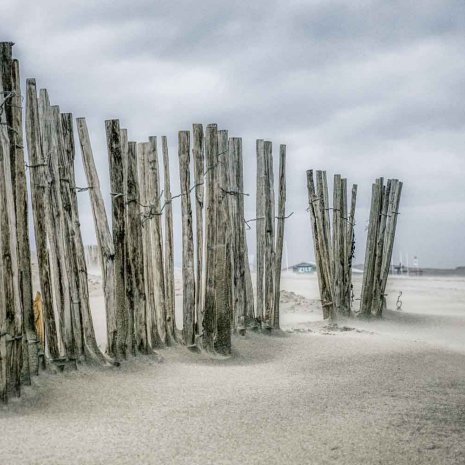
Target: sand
[{"x": 388, "y": 392}]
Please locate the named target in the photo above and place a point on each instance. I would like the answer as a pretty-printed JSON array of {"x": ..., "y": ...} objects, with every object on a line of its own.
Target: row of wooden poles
[
  {"x": 334, "y": 243},
  {"x": 136, "y": 251}
]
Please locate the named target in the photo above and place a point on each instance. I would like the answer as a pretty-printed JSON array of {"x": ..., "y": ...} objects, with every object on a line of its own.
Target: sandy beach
[{"x": 384, "y": 392}]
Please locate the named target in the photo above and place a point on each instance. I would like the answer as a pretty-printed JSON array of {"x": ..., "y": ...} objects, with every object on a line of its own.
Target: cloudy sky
[{"x": 358, "y": 87}]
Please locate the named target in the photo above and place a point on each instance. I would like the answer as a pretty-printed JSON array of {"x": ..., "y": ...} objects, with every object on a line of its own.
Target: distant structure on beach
[{"x": 304, "y": 267}]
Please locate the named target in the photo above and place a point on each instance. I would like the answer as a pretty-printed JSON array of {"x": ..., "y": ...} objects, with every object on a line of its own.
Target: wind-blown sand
[{"x": 384, "y": 392}]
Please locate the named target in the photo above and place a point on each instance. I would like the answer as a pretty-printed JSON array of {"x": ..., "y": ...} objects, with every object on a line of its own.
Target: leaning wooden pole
[
  {"x": 54, "y": 226},
  {"x": 104, "y": 238},
  {"x": 40, "y": 205},
  {"x": 281, "y": 219},
  {"x": 75, "y": 348},
  {"x": 350, "y": 247},
  {"x": 188, "y": 277},
  {"x": 10, "y": 265},
  {"x": 393, "y": 213},
  {"x": 91, "y": 351},
  {"x": 118, "y": 226},
  {"x": 30, "y": 342},
  {"x": 370, "y": 253},
  {"x": 169, "y": 257},
  {"x": 198, "y": 154}
]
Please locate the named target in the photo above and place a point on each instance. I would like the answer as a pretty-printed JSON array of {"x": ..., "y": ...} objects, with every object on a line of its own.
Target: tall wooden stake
[
  {"x": 30, "y": 342},
  {"x": 118, "y": 225},
  {"x": 199, "y": 168},
  {"x": 157, "y": 241},
  {"x": 209, "y": 315},
  {"x": 135, "y": 257},
  {"x": 40, "y": 204},
  {"x": 260, "y": 230},
  {"x": 187, "y": 240},
  {"x": 104, "y": 238},
  {"x": 169, "y": 258},
  {"x": 90, "y": 348},
  {"x": 279, "y": 235}
]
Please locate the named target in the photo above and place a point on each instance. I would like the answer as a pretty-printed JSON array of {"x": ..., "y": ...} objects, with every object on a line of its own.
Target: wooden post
[
  {"x": 338, "y": 246},
  {"x": 223, "y": 278},
  {"x": 269, "y": 234},
  {"x": 135, "y": 257},
  {"x": 142, "y": 163},
  {"x": 10, "y": 269},
  {"x": 40, "y": 205},
  {"x": 169, "y": 258},
  {"x": 260, "y": 229},
  {"x": 199, "y": 169},
  {"x": 279, "y": 234},
  {"x": 238, "y": 236},
  {"x": 351, "y": 245},
  {"x": 187, "y": 240},
  {"x": 157, "y": 241},
  {"x": 67, "y": 246},
  {"x": 118, "y": 226},
  {"x": 209, "y": 315},
  {"x": 321, "y": 237},
  {"x": 393, "y": 213},
  {"x": 90, "y": 348},
  {"x": 345, "y": 304},
  {"x": 54, "y": 227},
  {"x": 104, "y": 238},
  {"x": 379, "y": 246},
  {"x": 30, "y": 342},
  {"x": 368, "y": 272}
]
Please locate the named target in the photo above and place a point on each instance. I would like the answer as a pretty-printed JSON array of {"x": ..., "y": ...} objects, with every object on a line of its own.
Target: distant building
[{"x": 304, "y": 267}]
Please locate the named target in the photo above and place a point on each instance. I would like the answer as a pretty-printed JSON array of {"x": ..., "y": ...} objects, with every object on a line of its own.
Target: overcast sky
[{"x": 361, "y": 88}]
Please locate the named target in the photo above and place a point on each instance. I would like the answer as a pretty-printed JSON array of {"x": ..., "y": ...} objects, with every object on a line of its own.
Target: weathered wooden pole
[
  {"x": 54, "y": 227},
  {"x": 10, "y": 266},
  {"x": 132, "y": 301},
  {"x": 67, "y": 246},
  {"x": 392, "y": 215},
  {"x": 143, "y": 168},
  {"x": 345, "y": 304},
  {"x": 198, "y": 154},
  {"x": 279, "y": 235},
  {"x": 260, "y": 230},
  {"x": 135, "y": 258},
  {"x": 269, "y": 235},
  {"x": 350, "y": 247},
  {"x": 30, "y": 342},
  {"x": 370, "y": 253},
  {"x": 104, "y": 238},
  {"x": 209, "y": 314},
  {"x": 238, "y": 236},
  {"x": 115, "y": 155},
  {"x": 157, "y": 241},
  {"x": 188, "y": 276},
  {"x": 328, "y": 301},
  {"x": 223, "y": 277},
  {"x": 40, "y": 207},
  {"x": 379, "y": 246},
  {"x": 338, "y": 246},
  {"x": 169, "y": 257},
  {"x": 317, "y": 208},
  {"x": 91, "y": 350}
]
